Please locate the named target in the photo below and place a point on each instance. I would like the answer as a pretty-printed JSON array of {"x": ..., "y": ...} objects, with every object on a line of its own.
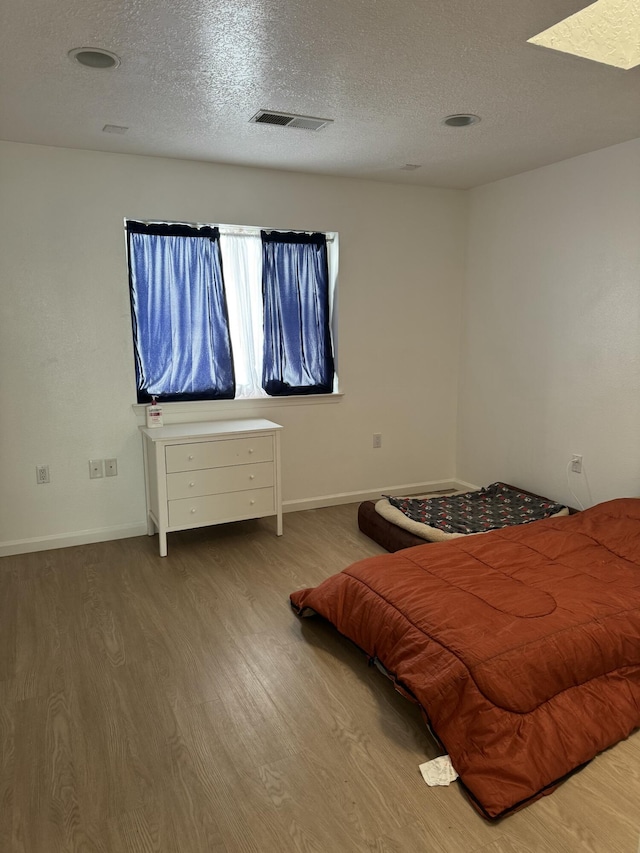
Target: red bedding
[{"x": 522, "y": 646}]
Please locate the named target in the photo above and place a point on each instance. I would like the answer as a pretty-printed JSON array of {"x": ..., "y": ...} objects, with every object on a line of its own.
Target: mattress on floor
[{"x": 521, "y": 645}]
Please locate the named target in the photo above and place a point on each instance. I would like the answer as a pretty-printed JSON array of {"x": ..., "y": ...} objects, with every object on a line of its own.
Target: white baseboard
[
  {"x": 67, "y": 540},
  {"x": 124, "y": 531},
  {"x": 373, "y": 494},
  {"x": 467, "y": 486}
]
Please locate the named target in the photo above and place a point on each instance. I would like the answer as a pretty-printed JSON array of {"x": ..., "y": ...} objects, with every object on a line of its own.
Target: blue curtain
[
  {"x": 298, "y": 358},
  {"x": 179, "y": 310}
]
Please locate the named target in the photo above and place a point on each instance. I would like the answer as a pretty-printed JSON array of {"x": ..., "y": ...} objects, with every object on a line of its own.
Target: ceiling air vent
[{"x": 290, "y": 120}]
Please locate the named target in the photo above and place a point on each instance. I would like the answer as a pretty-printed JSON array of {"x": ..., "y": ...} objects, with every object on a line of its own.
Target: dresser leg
[
  {"x": 151, "y": 528},
  {"x": 162, "y": 541},
  {"x": 279, "y": 524}
]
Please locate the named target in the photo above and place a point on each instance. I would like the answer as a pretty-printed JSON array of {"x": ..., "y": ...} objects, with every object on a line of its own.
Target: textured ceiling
[
  {"x": 607, "y": 31},
  {"x": 194, "y": 72}
]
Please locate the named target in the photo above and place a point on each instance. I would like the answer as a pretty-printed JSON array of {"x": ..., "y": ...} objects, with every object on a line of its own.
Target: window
[{"x": 223, "y": 312}]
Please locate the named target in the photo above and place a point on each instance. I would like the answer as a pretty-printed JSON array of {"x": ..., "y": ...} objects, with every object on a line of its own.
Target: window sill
[{"x": 218, "y": 407}]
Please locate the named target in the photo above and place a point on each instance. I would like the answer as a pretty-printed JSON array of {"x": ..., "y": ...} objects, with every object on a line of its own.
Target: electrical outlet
[
  {"x": 377, "y": 439},
  {"x": 42, "y": 474},
  {"x": 576, "y": 463},
  {"x": 111, "y": 467},
  {"x": 96, "y": 469}
]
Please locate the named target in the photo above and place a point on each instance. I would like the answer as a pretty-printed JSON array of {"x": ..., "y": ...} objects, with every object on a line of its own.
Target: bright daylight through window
[{"x": 230, "y": 312}]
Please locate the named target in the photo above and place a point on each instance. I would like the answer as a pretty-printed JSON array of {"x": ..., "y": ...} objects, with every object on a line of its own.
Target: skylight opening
[{"x": 607, "y": 31}]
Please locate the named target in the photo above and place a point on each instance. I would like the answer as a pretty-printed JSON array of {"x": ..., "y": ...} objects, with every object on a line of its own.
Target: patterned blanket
[{"x": 490, "y": 508}]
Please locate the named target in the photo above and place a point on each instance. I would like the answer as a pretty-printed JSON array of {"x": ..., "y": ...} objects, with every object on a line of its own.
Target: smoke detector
[{"x": 289, "y": 120}]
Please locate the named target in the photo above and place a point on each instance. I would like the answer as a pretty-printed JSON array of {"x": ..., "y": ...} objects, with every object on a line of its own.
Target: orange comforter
[{"x": 522, "y": 645}]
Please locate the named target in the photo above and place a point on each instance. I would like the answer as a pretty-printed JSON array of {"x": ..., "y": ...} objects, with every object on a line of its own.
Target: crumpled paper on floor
[{"x": 438, "y": 772}]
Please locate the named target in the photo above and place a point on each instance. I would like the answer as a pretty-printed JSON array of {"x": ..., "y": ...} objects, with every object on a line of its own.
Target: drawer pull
[
  {"x": 191, "y": 457},
  {"x": 193, "y": 510},
  {"x": 191, "y": 485},
  {"x": 251, "y": 450},
  {"x": 251, "y": 503},
  {"x": 252, "y": 476}
]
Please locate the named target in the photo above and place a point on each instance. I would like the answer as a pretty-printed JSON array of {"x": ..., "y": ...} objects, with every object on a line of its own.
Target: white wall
[
  {"x": 550, "y": 360},
  {"x": 67, "y": 377}
]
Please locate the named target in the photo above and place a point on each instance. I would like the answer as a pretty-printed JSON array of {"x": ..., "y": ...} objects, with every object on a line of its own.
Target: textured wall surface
[
  {"x": 550, "y": 359},
  {"x": 551, "y": 343},
  {"x": 67, "y": 378}
]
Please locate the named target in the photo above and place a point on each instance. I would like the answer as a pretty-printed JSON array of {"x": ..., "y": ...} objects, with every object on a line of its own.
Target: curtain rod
[{"x": 232, "y": 230}]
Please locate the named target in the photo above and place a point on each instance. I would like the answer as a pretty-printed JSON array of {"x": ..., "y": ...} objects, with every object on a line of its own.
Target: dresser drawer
[
  {"x": 211, "y": 509},
  {"x": 217, "y": 454},
  {"x": 215, "y": 481}
]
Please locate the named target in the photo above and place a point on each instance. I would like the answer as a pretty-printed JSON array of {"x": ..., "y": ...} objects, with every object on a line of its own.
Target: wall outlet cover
[
  {"x": 96, "y": 469},
  {"x": 42, "y": 474}
]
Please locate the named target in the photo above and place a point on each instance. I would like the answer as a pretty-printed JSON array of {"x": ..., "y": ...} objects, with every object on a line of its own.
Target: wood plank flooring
[{"x": 176, "y": 705}]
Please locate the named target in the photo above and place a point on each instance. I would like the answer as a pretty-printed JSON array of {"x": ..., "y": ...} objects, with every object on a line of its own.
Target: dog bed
[{"x": 397, "y": 523}]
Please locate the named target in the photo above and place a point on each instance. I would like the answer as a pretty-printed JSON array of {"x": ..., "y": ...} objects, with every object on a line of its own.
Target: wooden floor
[{"x": 177, "y": 704}]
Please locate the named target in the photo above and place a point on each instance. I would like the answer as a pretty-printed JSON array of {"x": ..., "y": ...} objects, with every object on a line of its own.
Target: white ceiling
[{"x": 194, "y": 72}]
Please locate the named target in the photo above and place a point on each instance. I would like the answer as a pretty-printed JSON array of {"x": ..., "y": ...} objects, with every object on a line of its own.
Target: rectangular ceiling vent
[{"x": 290, "y": 120}]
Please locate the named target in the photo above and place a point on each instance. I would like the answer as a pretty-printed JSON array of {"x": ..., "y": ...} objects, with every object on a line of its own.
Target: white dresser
[{"x": 198, "y": 474}]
